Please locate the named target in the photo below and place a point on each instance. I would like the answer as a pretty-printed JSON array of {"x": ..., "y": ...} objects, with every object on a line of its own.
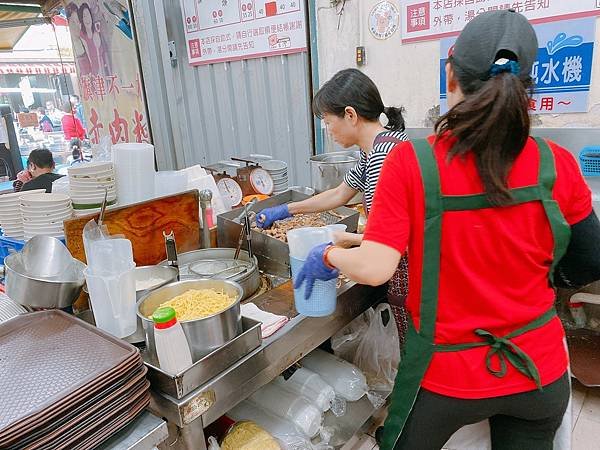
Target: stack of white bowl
[
  {"x": 279, "y": 172},
  {"x": 87, "y": 185},
  {"x": 11, "y": 219},
  {"x": 43, "y": 214}
]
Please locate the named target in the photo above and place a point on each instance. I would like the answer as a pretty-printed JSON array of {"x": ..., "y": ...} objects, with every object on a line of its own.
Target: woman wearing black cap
[{"x": 493, "y": 218}]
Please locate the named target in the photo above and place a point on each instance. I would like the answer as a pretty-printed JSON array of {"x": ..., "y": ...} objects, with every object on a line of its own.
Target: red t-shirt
[
  {"x": 494, "y": 264},
  {"x": 72, "y": 127}
]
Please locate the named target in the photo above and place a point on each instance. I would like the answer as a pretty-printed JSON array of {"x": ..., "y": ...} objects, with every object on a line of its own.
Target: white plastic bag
[
  {"x": 345, "y": 378},
  {"x": 345, "y": 342},
  {"x": 378, "y": 353}
]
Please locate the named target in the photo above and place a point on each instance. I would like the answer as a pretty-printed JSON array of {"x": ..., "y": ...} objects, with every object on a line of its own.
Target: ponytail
[
  {"x": 492, "y": 122},
  {"x": 395, "y": 118}
]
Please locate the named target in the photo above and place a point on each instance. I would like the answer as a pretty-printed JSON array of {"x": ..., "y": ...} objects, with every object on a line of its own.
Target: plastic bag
[
  {"x": 345, "y": 378},
  {"x": 345, "y": 342},
  {"x": 378, "y": 353},
  {"x": 247, "y": 435},
  {"x": 103, "y": 150}
]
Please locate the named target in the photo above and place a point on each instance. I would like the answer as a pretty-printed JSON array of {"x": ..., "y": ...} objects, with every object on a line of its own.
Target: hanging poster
[
  {"x": 227, "y": 30},
  {"x": 562, "y": 72},
  {"x": 109, "y": 76},
  {"x": 383, "y": 20},
  {"x": 436, "y": 19}
]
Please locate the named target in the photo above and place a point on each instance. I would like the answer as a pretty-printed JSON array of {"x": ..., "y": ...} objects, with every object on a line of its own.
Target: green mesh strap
[
  {"x": 561, "y": 230},
  {"x": 480, "y": 201},
  {"x": 433, "y": 234}
]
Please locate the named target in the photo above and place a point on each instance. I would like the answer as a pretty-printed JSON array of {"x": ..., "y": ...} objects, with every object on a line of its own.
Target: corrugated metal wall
[{"x": 203, "y": 114}]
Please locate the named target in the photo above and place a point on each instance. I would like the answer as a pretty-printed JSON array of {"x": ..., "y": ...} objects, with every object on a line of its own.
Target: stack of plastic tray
[{"x": 65, "y": 384}]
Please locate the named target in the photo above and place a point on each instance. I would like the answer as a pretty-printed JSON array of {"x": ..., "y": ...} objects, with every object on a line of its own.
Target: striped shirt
[{"x": 363, "y": 177}]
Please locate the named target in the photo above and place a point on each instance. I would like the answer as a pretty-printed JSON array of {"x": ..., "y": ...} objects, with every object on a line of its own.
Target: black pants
[{"x": 526, "y": 421}]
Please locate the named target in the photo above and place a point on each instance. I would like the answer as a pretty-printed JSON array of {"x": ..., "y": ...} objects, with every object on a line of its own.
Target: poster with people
[{"x": 109, "y": 76}]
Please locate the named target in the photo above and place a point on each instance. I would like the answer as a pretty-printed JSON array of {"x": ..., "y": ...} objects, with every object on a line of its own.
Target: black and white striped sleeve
[{"x": 355, "y": 177}]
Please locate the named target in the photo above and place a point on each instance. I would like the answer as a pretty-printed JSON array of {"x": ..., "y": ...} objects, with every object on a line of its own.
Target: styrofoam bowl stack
[
  {"x": 279, "y": 172},
  {"x": 88, "y": 183},
  {"x": 44, "y": 214},
  {"x": 11, "y": 219}
]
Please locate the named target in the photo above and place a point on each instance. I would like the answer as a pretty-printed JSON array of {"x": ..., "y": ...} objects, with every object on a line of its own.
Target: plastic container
[
  {"x": 172, "y": 348},
  {"x": 323, "y": 299},
  {"x": 134, "y": 169},
  {"x": 170, "y": 182},
  {"x": 113, "y": 301},
  {"x": 286, "y": 405},
  {"x": 345, "y": 378},
  {"x": 589, "y": 159},
  {"x": 309, "y": 384}
]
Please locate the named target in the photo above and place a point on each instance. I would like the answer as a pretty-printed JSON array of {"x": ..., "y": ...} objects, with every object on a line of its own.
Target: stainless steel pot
[
  {"x": 39, "y": 292},
  {"x": 141, "y": 274},
  {"x": 203, "y": 335},
  {"x": 248, "y": 277},
  {"x": 327, "y": 170}
]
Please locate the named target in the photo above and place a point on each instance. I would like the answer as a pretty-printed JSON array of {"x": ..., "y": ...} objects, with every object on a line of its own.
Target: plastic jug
[
  {"x": 286, "y": 405},
  {"x": 322, "y": 301},
  {"x": 309, "y": 384},
  {"x": 336, "y": 228},
  {"x": 345, "y": 378},
  {"x": 113, "y": 301}
]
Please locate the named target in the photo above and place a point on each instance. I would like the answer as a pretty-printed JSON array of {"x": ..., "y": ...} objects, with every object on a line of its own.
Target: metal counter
[{"x": 189, "y": 415}]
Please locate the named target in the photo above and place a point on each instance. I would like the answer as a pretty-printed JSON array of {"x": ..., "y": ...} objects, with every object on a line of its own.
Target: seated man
[{"x": 41, "y": 165}]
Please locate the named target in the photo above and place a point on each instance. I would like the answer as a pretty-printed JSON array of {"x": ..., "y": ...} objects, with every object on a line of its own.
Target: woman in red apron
[
  {"x": 351, "y": 106},
  {"x": 493, "y": 218}
]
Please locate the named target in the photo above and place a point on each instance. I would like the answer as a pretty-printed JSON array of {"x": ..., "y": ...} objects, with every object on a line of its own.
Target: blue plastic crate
[{"x": 589, "y": 159}]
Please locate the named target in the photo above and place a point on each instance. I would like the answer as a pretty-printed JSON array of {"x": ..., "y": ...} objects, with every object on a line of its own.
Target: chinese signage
[
  {"x": 563, "y": 69},
  {"x": 109, "y": 77},
  {"x": 228, "y": 30},
  {"x": 435, "y": 19},
  {"x": 383, "y": 20}
]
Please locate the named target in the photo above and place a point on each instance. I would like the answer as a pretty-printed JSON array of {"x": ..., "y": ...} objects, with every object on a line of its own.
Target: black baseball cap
[{"x": 492, "y": 35}]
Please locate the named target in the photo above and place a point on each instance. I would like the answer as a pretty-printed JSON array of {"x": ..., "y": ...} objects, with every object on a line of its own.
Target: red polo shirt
[{"x": 494, "y": 264}]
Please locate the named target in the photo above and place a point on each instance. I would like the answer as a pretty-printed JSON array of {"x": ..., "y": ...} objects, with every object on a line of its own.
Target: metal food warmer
[{"x": 273, "y": 255}]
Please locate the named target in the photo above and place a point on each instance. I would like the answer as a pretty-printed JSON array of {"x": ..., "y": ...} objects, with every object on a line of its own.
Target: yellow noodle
[{"x": 199, "y": 303}]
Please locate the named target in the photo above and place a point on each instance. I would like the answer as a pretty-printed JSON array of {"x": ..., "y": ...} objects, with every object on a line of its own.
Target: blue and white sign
[{"x": 563, "y": 70}]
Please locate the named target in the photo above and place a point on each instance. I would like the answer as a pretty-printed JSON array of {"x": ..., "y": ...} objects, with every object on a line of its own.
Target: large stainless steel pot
[
  {"x": 39, "y": 292},
  {"x": 247, "y": 277},
  {"x": 327, "y": 170},
  {"x": 203, "y": 335}
]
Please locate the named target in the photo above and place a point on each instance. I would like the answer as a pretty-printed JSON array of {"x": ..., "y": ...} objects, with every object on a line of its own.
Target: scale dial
[
  {"x": 261, "y": 181},
  {"x": 230, "y": 190}
]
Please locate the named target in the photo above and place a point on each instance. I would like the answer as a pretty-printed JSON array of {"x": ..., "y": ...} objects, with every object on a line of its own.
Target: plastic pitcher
[
  {"x": 322, "y": 301},
  {"x": 113, "y": 301},
  {"x": 336, "y": 228}
]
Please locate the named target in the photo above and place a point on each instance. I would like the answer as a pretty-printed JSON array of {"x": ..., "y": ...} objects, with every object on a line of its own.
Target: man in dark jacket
[{"x": 41, "y": 165}]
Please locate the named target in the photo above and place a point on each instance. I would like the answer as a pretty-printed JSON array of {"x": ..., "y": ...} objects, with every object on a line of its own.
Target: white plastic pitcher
[
  {"x": 113, "y": 301},
  {"x": 322, "y": 301},
  {"x": 336, "y": 228}
]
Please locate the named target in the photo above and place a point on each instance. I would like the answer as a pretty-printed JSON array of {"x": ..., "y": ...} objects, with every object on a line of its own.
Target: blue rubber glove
[
  {"x": 314, "y": 268},
  {"x": 266, "y": 217}
]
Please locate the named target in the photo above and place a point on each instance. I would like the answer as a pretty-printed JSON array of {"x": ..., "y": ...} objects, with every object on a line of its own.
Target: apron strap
[{"x": 505, "y": 350}]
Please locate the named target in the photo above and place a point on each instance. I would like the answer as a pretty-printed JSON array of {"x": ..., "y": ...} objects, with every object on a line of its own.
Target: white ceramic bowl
[{"x": 91, "y": 167}]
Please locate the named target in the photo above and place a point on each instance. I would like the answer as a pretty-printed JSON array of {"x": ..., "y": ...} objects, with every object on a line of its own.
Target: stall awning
[{"x": 37, "y": 68}]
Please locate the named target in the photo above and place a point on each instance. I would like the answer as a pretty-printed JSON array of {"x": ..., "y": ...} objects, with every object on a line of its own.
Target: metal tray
[
  {"x": 273, "y": 255},
  {"x": 201, "y": 371}
]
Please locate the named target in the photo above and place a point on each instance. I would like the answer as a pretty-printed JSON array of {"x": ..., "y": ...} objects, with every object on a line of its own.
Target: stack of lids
[
  {"x": 88, "y": 184},
  {"x": 66, "y": 384},
  {"x": 44, "y": 214},
  {"x": 11, "y": 219},
  {"x": 278, "y": 171}
]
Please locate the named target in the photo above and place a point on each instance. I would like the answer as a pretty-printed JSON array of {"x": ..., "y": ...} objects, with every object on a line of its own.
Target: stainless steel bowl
[
  {"x": 164, "y": 273},
  {"x": 203, "y": 335},
  {"x": 39, "y": 292}
]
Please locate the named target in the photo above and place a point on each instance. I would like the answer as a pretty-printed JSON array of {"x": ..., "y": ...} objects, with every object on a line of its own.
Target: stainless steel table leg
[{"x": 190, "y": 437}]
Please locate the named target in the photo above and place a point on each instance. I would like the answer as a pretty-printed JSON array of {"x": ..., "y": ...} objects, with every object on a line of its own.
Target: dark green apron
[{"x": 419, "y": 348}]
